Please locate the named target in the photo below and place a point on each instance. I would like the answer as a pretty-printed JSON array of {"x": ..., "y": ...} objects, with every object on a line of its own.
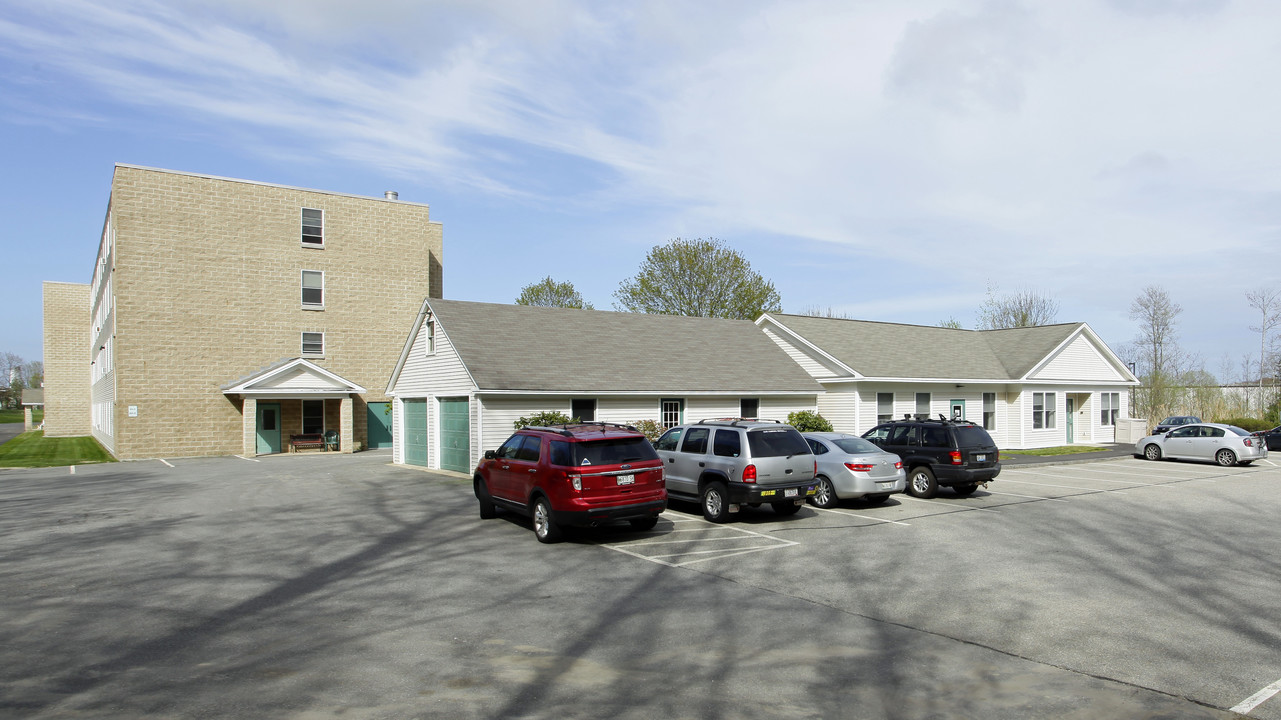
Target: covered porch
[{"x": 295, "y": 405}]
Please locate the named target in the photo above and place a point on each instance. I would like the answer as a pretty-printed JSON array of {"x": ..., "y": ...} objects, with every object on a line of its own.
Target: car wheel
[
  {"x": 786, "y": 508},
  {"x": 642, "y": 524},
  {"x": 825, "y": 495},
  {"x": 965, "y": 488},
  {"x": 715, "y": 502},
  {"x": 545, "y": 527},
  {"x": 875, "y": 499},
  {"x": 1152, "y": 452},
  {"x": 1225, "y": 457},
  {"x": 487, "y": 509},
  {"x": 921, "y": 483}
]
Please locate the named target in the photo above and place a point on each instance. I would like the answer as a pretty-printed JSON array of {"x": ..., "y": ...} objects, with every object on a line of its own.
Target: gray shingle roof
[
  {"x": 878, "y": 349},
  {"x": 519, "y": 347}
]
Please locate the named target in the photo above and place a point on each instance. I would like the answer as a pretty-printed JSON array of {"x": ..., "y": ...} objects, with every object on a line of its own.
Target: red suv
[{"x": 581, "y": 474}]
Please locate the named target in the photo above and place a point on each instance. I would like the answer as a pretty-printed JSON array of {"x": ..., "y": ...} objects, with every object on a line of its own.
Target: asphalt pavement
[{"x": 9, "y": 431}]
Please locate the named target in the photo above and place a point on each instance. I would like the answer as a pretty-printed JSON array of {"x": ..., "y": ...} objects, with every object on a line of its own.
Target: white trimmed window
[
  {"x": 429, "y": 332},
  {"x": 1109, "y": 408},
  {"x": 1043, "y": 405},
  {"x": 922, "y": 403},
  {"x": 884, "y": 407},
  {"x": 313, "y": 227},
  {"x": 989, "y": 411},
  {"x": 313, "y": 289},
  {"x": 313, "y": 344}
]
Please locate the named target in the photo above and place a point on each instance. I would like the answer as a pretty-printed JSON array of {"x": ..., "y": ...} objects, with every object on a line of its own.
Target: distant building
[{"x": 225, "y": 315}]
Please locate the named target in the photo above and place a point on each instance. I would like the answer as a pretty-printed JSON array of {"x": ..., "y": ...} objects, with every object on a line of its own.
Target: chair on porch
[{"x": 331, "y": 440}]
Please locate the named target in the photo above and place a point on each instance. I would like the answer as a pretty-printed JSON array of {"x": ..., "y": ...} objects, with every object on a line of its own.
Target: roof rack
[
  {"x": 736, "y": 421},
  {"x": 563, "y": 428},
  {"x": 925, "y": 417}
]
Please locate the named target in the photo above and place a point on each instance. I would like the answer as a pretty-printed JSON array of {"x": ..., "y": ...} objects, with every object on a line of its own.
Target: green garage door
[
  {"x": 379, "y": 425},
  {"x": 416, "y": 432},
  {"x": 455, "y": 434}
]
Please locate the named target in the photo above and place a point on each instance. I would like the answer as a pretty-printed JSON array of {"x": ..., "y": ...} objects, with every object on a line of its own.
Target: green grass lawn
[
  {"x": 1061, "y": 450},
  {"x": 15, "y": 415},
  {"x": 33, "y": 449}
]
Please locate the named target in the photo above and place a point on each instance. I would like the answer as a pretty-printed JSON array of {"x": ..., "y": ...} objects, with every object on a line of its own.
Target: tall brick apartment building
[{"x": 226, "y": 315}]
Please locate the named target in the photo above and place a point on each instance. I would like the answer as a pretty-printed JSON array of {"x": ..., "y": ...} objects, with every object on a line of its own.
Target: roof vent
[{"x": 391, "y": 195}]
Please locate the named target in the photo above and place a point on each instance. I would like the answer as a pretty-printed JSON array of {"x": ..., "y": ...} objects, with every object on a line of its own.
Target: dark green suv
[{"x": 940, "y": 452}]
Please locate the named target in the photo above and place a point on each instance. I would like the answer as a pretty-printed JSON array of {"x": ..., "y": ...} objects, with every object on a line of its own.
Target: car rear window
[
  {"x": 855, "y": 446},
  {"x": 1239, "y": 431},
  {"x": 777, "y": 442},
  {"x": 613, "y": 451},
  {"x": 972, "y": 436}
]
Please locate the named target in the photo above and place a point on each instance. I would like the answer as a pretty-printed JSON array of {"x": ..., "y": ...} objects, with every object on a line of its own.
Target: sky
[{"x": 887, "y": 160}]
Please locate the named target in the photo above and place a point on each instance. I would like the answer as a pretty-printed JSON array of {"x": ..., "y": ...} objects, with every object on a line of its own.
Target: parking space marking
[
  {"x": 774, "y": 543},
  {"x": 165, "y": 462},
  {"x": 1257, "y": 699},
  {"x": 1033, "y": 497},
  {"x": 865, "y": 517},
  {"x": 242, "y": 457},
  {"x": 1084, "y": 490},
  {"x": 1126, "y": 482},
  {"x": 954, "y": 507}
]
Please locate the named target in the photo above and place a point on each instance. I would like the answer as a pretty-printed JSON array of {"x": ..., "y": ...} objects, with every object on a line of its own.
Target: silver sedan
[
  {"x": 851, "y": 467},
  {"x": 1224, "y": 444}
]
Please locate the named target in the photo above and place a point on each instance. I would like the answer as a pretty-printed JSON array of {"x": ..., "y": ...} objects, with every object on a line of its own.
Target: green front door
[
  {"x": 379, "y": 425},
  {"x": 268, "y": 426},
  {"x": 416, "y": 432},
  {"x": 958, "y": 409},
  {"x": 455, "y": 435}
]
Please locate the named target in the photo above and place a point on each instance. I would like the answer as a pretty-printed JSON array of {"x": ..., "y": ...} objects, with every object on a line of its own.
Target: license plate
[
  {"x": 626, "y": 479},
  {"x": 980, "y": 458},
  {"x": 883, "y": 485},
  {"x": 789, "y": 492}
]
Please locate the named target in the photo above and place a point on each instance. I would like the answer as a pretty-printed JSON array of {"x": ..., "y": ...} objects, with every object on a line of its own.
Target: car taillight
[
  {"x": 1248, "y": 442},
  {"x": 859, "y": 467},
  {"x": 898, "y": 465},
  {"x": 577, "y": 480},
  {"x": 749, "y": 474},
  {"x": 956, "y": 457}
]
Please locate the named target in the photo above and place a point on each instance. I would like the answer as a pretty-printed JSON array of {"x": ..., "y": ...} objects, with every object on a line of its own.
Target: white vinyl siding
[
  {"x": 441, "y": 374},
  {"x": 807, "y": 362},
  {"x": 1079, "y": 360}
]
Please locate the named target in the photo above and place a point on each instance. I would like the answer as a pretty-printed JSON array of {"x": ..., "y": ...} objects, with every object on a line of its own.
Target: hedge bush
[
  {"x": 1251, "y": 424},
  {"x": 544, "y": 418},
  {"x": 652, "y": 429},
  {"x": 807, "y": 421}
]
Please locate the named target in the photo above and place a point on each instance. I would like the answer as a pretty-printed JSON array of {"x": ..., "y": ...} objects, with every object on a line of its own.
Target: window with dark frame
[
  {"x": 313, "y": 344},
  {"x": 749, "y": 408},
  {"x": 313, "y": 288},
  {"x": 313, "y": 227},
  {"x": 313, "y": 417},
  {"x": 922, "y": 403},
  {"x": 583, "y": 410}
]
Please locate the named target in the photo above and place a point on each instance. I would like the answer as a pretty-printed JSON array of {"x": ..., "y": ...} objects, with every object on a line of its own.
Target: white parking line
[
  {"x": 165, "y": 461},
  {"x": 1126, "y": 482},
  {"x": 775, "y": 543},
  {"x": 865, "y": 517},
  {"x": 1069, "y": 487},
  {"x": 1034, "y": 497},
  {"x": 242, "y": 457},
  {"x": 1257, "y": 699},
  {"x": 940, "y": 504}
]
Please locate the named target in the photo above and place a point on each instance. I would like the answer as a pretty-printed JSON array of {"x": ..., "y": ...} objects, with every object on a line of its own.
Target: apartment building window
[
  {"x": 313, "y": 416},
  {"x": 922, "y": 403},
  {"x": 1043, "y": 405},
  {"x": 313, "y": 227},
  {"x": 313, "y": 289},
  {"x": 1109, "y": 408},
  {"x": 989, "y": 411},
  {"x": 884, "y": 407},
  {"x": 313, "y": 344},
  {"x": 583, "y": 410}
]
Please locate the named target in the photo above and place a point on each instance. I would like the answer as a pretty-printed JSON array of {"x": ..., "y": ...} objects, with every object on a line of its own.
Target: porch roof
[{"x": 292, "y": 378}]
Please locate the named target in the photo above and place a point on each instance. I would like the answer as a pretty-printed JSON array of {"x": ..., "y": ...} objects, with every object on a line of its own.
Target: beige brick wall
[
  {"x": 207, "y": 282},
  {"x": 66, "y": 359}
]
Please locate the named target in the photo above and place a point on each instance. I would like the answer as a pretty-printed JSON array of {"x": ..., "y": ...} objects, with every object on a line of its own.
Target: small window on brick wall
[
  {"x": 313, "y": 227},
  {"x": 313, "y": 289},
  {"x": 313, "y": 344}
]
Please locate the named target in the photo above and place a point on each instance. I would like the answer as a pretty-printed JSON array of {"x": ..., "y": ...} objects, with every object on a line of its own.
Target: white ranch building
[
  {"x": 1030, "y": 387},
  {"x": 469, "y": 370}
]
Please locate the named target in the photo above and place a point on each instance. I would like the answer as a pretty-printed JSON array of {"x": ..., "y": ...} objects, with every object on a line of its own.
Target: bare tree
[
  {"x": 827, "y": 312},
  {"x": 951, "y": 322},
  {"x": 1156, "y": 348},
  {"x": 1022, "y": 308},
  {"x": 1268, "y": 302}
]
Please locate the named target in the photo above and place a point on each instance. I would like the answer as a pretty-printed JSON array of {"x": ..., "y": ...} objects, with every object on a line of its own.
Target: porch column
[
  {"x": 26, "y": 418},
  {"x": 249, "y": 428},
  {"x": 346, "y": 434}
]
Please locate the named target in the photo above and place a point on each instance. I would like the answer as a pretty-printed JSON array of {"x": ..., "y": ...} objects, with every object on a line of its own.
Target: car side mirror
[{"x": 491, "y": 454}]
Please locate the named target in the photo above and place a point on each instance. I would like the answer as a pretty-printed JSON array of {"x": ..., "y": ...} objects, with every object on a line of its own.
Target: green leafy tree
[
  {"x": 543, "y": 419},
  {"x": 808, "y": 421},
  {"x": 652, "y": 429},
  {"x": 549, "y": 293},
  {"x": 700, "y": 278},
  {"x": 952, "y": 323}
]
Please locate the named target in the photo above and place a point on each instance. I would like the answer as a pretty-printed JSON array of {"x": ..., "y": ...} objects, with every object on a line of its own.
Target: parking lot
[{"x": 340, "y": 586}]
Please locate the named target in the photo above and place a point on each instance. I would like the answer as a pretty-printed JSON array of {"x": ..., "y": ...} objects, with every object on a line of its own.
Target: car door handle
[
  {"x": 671, "y": 459},
  {"x": 533, "y": 470},
  {"x": 702, "y": 464}
]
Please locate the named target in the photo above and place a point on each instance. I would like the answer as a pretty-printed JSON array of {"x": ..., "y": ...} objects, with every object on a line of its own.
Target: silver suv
[{"x": 727, "y": 463}]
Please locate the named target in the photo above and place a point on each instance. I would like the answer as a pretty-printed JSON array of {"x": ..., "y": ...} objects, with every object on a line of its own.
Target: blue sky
[{"x": 888, "y": 159}]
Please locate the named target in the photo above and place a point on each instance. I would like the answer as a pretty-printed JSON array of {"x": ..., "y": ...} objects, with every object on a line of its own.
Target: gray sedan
[
  {"x": 851, "y": 467},
  {"x": 1224, "y": 444}
]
